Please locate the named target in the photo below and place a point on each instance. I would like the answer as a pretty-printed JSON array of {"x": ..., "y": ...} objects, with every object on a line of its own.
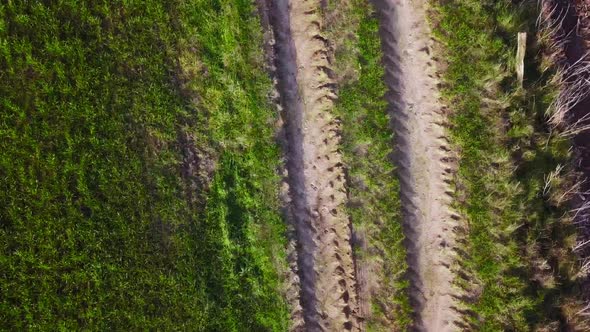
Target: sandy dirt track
[
  {"x": 423, "y": 159},
  {"x": 324, "y": 294},
  {"x": 317, "y": 194}
]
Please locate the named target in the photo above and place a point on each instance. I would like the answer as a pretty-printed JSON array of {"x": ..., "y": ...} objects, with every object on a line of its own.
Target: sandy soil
[
  {"x": 423, "y": 159},
  {"x": 317, "y": 193}
]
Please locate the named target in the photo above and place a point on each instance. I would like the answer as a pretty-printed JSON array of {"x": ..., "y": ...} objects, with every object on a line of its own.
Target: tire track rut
[
  {"x": 424, "y": 161},
  {"x": 317, "y": 192}
]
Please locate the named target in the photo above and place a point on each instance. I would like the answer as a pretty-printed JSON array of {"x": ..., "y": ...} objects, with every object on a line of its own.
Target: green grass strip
[
  {"x": 505, "y": 151},
  {"x": 367, "y": 145}
]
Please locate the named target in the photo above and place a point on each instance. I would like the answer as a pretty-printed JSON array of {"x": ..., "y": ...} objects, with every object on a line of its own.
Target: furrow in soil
[{"x": 422, "y": 158}]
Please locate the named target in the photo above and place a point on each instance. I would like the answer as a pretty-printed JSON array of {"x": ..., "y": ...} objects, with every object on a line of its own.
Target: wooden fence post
[{"x": 520, "y": 53}]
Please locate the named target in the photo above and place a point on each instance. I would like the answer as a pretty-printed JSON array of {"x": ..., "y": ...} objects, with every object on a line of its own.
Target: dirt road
[
  {"x": 423, "y": 160},
  {"x": 317, "y": 193}
]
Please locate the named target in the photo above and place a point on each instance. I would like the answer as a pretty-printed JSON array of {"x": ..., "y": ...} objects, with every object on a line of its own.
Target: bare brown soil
[
  {"x": 423, "y": 160},
  {"x": 315, "y": 175}
]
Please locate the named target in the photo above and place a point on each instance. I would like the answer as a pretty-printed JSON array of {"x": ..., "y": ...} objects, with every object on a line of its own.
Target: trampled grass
[{"x": 99, "y": 227}]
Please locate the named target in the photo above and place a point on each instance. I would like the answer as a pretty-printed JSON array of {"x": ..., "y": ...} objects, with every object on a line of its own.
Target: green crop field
[
  {"x": 112, "y": 113},
  {"x": 144, "y": 168}
]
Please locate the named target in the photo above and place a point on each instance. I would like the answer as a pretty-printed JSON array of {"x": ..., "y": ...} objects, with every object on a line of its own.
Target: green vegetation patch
[
  {"x": 374, "y": 204},
  {"x": 137, "y": 168},
  {"x": 516, "y": 249}
]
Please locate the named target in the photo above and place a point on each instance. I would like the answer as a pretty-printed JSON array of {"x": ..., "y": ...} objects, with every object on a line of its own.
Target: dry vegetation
[{"x": 373, "y": 193}]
